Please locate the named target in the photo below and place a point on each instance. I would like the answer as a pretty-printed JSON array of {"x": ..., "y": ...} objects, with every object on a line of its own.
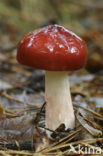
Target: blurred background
[{"x": 85, "y": 18}]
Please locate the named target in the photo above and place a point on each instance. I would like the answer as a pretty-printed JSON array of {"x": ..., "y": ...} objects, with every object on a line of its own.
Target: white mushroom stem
[{"x": 59, "y": 107}]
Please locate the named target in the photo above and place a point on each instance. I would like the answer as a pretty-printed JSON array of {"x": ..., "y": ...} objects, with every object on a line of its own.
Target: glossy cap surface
[{"x": 52, "y": 48}]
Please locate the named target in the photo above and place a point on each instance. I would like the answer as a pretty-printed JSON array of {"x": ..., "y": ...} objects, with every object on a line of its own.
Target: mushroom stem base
[{"x": 59, "y": 107}]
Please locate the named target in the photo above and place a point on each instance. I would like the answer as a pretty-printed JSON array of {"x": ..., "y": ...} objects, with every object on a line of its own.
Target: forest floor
[{"x": 22, "y": 101}]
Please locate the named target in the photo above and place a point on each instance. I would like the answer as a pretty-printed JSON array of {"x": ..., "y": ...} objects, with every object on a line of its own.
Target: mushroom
[{"x": 56, "y": 50}]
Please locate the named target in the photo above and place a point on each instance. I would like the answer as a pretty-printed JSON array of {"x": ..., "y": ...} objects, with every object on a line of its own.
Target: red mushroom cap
[{"x": 52, "y": 48}]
